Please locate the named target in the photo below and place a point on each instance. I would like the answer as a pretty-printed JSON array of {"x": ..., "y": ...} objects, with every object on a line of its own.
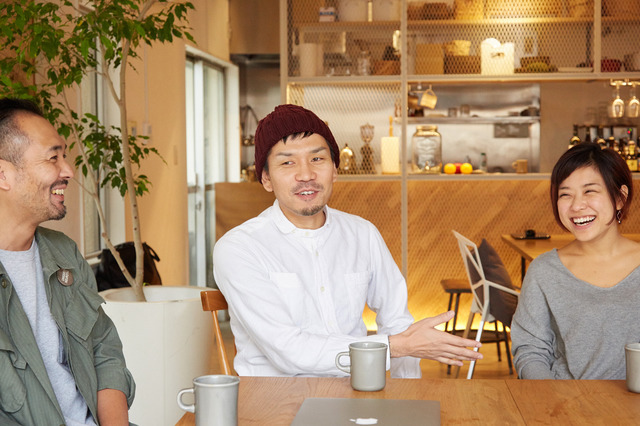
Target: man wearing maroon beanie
[{"x": 298, "y": 276}]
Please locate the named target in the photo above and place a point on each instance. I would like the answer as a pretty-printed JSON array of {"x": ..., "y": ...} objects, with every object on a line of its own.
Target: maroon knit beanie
[{"x": 284, "y": 121}]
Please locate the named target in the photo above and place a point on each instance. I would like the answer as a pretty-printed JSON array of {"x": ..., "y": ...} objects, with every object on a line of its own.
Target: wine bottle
[
  {"x": 600, "y": 140},
  {"x": 575, "y": 139},
  {"x": 611, "y": 140},
  {"x": 632, "y": 156}
]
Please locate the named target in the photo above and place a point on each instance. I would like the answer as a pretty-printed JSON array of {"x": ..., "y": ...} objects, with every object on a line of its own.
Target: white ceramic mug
[
  {"x": 632, "y": 356},
  {"x": 216, "y": 400},
  {"x": 368, "y": 367}
]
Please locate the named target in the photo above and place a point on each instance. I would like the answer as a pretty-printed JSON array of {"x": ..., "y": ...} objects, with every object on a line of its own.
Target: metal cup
[
  {"x": 368, "y": 367},
  {"x": 216, "y": 400},
  {"x": 632, "y": 356}
]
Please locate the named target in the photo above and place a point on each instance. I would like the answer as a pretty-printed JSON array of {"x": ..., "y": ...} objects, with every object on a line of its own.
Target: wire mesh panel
[
  {"x": 359, "y": 117},
  {"x": 620, "y": 35},
  {"x": 343, "y": 38},
  {"x": 500, "y": 47},
  {"x": 461, "y": 37}
]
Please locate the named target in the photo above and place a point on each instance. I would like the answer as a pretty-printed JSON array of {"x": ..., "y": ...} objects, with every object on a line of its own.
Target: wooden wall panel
[
  {"x": 239, "y": 202},
  {"x": 476, "y": 209}
]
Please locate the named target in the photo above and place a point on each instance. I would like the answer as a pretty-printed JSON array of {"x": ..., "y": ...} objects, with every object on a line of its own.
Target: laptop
[{"x": 353, "y": 411}]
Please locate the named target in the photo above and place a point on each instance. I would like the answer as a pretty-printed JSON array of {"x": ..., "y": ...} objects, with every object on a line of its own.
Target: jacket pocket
[
  {"x": 12, "y": 367},
  {"x": 81, "y": 313}
]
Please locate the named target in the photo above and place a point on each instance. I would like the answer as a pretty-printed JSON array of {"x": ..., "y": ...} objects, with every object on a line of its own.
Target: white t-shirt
[{"x": 296, "y": 296}]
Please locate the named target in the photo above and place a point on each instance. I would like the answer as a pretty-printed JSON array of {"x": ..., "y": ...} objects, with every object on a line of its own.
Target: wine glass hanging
[
  {"x": 633, "y": 106},
  {"x": 617, "y": 106}
]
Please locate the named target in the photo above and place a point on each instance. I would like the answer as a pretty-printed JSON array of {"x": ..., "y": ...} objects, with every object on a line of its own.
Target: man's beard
[
  {"x": 310, "y": 211},
  {"x": 59, "y": 214}
]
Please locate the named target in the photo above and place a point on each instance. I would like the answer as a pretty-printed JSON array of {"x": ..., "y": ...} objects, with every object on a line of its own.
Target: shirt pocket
[
  {"x": 12, "y": 368},
  {"x": 357, "y": 285},
  {"x": 292, "y": 293}
]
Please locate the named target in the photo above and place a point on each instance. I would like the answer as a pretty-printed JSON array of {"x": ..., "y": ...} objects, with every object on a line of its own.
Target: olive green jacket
[{"x": 89, "y": 338}]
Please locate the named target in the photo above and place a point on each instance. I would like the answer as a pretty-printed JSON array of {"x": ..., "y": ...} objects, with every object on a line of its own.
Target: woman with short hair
[{"x": 580, "y": 304}]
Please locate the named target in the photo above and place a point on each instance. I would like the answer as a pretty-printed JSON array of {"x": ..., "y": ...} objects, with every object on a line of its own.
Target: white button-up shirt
[{"x": 296, "y": 296}]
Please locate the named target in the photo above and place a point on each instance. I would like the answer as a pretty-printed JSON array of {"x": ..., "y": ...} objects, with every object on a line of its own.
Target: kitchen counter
[
  {"x": 455, "y": 177},
  {"x": 445, "y": 177}
]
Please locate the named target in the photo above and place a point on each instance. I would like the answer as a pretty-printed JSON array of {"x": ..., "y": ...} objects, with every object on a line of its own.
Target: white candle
[
  {"x": 390, "y": 150},
  {"x": 308, "y": 59}
]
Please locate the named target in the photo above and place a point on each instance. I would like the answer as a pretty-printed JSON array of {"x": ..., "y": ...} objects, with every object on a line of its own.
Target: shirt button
[
  {"x": 321, "y": 288},
  {"x": 4, "y": 283}
]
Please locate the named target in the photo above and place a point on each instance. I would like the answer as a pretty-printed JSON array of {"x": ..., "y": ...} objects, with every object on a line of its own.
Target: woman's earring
[{"x": 619, "y": 216}]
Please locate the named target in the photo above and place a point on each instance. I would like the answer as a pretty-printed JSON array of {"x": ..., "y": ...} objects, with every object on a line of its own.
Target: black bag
[{"x": 108, "y": 274}]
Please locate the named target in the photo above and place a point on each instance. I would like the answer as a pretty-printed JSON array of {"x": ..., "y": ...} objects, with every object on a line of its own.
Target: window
[
  {"x": 213, "y": 151},
  {"x": 90, "y": 102}
]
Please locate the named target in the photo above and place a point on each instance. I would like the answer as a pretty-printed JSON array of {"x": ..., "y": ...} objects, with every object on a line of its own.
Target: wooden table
[
  {"x": 575, "y": 402},
  {"x": 276, "y": 400},
  {"x": 530, "y": 249}
]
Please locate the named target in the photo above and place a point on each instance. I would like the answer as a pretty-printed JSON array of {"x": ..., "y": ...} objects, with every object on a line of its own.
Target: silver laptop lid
[{"x": 366, "y": 411}]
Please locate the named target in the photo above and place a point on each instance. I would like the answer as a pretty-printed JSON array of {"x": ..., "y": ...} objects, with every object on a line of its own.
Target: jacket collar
[{"x": 52, "y": 258}]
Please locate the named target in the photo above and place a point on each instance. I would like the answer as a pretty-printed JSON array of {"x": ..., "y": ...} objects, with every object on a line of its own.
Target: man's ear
[
  {"x": 4, "y": 182},
  {"x": 266, "y": 181}
]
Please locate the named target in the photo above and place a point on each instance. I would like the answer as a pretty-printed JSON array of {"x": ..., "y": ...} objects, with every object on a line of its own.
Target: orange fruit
[
  {"x": 450, "y": 168},
  {"x": 466, "y": 168}
]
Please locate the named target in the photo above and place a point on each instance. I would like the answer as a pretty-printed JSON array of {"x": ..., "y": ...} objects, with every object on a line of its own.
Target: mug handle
[
  {"x": 345, "y": 368},
  {"x": 191, "y": 407}
]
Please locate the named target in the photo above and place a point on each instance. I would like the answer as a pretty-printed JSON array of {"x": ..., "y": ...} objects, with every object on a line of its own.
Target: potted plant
[{"x": 46, "y": 50}]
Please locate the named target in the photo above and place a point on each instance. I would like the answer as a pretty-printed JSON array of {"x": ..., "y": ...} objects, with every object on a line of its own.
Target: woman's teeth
[{"x": 583, "y": 220}]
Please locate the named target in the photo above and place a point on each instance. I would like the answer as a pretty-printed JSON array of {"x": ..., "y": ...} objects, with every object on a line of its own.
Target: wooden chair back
[{"x": 214, "y": 301}]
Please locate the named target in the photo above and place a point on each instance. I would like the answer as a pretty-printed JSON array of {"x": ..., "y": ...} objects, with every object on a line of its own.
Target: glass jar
[
  {"x": 426, "y": 150},
  {"x": 364, "y": 63}
]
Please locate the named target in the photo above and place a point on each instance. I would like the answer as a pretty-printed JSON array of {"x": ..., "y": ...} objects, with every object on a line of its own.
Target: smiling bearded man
[{"x": 61, "y": 359}]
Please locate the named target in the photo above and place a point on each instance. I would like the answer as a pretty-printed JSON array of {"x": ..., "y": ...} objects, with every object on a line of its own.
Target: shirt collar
[{"x": 286, "y": 227}]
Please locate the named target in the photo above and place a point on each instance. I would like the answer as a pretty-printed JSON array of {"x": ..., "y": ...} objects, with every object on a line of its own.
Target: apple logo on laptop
[{"x": 370, "y": 421}]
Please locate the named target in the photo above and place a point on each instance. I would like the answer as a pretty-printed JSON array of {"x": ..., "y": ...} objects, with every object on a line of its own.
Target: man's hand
[
  {"x": 423, "y": 340},
  {"x": 112, "y": 408}
]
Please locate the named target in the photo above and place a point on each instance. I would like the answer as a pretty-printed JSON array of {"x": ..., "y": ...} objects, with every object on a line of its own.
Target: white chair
[{"x": 480, "y": 289}]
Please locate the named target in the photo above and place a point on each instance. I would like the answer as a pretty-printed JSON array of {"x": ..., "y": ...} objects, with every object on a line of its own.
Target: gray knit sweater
[{"x": 565, "y": 328}]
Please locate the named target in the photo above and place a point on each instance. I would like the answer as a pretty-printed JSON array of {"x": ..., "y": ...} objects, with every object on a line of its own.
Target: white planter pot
[{"x": 167, "y": 342}]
